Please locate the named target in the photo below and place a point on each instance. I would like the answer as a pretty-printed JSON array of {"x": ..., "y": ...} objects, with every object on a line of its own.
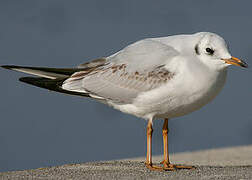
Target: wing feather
[{"x": 138, "y": 68}]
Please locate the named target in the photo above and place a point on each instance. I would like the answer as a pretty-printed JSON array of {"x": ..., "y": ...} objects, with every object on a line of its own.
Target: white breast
[{"x": 199, "y": 95}]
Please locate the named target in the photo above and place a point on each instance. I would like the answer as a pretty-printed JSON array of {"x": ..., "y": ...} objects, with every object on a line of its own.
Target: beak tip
[
  {"x": 237, "y": 62},
  {"x": 245, "y": 65}
]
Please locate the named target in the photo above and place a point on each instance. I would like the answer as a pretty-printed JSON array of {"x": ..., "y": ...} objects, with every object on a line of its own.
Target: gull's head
[{"x": 212, "y": 50}]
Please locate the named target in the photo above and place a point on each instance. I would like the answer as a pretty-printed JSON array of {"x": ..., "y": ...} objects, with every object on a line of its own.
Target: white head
[{"x": 212, "y": 50}]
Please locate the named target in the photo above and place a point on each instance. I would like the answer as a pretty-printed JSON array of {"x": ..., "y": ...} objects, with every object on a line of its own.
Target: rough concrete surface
[{"x": 226, "y": 163}]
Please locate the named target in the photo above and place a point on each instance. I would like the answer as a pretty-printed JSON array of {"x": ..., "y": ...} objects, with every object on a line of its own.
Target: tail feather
[
  {"x": 50, "y": 84},
  {"x": 51, "y": 73}
]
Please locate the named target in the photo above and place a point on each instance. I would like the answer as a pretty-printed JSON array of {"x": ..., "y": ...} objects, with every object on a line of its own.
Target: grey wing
[
  {"x": 144, "y": 55},
  {"x": 138, "y": 68}
]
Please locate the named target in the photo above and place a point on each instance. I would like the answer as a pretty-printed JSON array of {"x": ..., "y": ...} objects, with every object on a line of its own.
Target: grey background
[{"x": 41, "y": 128}]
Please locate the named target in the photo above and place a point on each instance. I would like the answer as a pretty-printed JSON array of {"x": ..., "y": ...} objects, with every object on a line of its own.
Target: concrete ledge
[
  {"x": 232, "y": 156},
  {"x": 227, "y": 163}
]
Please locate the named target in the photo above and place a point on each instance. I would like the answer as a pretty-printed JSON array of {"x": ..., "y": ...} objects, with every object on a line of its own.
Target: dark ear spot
[{"x": 196, "y": 48}]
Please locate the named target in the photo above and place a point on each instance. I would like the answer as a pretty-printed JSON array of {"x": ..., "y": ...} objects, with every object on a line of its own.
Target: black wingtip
[
  {"x": 50, "y": 84},
  {"x": 8, "y": 66},
  {"x": 25, "y": 79}
]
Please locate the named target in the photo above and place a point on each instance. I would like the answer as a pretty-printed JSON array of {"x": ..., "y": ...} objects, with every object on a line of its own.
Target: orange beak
[{"x": 236, "y": 61}]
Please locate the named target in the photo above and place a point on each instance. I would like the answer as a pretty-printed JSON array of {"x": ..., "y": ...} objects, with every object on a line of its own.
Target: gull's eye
[{"x": 210, "y": 51}]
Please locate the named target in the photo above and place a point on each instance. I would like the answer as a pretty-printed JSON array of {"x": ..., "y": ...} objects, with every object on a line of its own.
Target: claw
[{"x": 184, "y": 167}]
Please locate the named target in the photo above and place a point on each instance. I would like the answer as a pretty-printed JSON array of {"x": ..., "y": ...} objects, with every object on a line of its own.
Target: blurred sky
[{"x": 40, "y": 128}]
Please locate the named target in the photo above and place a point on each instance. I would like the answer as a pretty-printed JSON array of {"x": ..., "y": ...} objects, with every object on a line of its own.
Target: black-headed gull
[{"x": 152, "y": 78}]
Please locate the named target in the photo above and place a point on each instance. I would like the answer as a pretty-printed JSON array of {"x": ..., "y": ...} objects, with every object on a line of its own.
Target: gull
[{"x": 154, "y": 78}]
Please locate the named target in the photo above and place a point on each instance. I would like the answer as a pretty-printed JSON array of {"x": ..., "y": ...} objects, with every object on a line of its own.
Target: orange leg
[
  {"x": 167, "y": 166},
  {"x": 166, "y": 162},
  {"x": 148, "y": 162}
]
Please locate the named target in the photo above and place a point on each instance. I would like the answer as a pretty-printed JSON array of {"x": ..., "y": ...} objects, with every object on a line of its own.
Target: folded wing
[{"x": 138, "y": 68}]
